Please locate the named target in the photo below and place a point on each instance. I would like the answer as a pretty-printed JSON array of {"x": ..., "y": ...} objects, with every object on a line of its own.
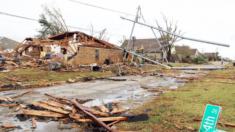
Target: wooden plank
[
  {"x": 42, "y": 113},
  {"x": 56, "y": 97},
  {"x": 21, "y": 94},
  {"x": 3, "y": 99},
  {"x": 7, "y": 125},
  {"x": 23, "y": 106},
  {"x": 44, "y": 106},
  {"x": 17, "y": 109},
  {"x": 94, "y": 112},
  {"x": 76, "y": 116},
  {"x": 103, "y": 108},
  {"x": 60, "y": 101},
  {"x": 9, "y": 99},
  {"x": 34, "y": 122}
]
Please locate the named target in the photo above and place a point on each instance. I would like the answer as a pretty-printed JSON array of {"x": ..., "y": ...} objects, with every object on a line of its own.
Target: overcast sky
[{"x": 211, "y": 20}]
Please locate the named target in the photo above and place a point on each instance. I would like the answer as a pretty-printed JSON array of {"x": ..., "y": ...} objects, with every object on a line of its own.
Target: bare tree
[
  {"x": 103, "y": 36},
  {"x": 172, "y": 27},
  {"x": 52, "y": 22},
  {"x": 92, "y": 30}
]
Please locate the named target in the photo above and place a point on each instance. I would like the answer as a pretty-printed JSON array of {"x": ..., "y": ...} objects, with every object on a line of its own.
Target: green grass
[
  {"x": 180, "y": 106},
  {"x": 179, "y": 64}
]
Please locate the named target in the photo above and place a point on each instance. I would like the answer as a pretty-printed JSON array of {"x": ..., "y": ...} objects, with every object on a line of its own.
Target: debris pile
[{"x": 67, "y": 111}]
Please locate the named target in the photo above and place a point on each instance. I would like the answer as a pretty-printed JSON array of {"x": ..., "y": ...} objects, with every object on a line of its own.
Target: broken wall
[
  {"x": 89, "y": 55},
  {"x": 33, "y": 51}
]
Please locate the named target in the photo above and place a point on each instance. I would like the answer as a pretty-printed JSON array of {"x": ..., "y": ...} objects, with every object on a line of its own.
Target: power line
[
  {"x": 101, "y": 7},
  {"x": 7, "y": 14}
]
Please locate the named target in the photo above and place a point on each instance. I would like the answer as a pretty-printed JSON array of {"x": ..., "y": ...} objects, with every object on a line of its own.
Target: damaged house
[{"x": 74, "y": 47}]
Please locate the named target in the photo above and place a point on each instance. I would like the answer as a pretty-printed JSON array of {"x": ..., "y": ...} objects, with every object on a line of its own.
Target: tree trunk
[{"x": 169, "y": 53}]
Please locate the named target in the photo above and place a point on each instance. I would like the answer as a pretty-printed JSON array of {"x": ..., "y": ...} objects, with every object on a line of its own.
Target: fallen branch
[{"x": 42, "y": 113}]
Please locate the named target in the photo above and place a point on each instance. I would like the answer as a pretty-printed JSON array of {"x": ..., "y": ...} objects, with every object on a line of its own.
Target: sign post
[{"x": 210, "y": 119}]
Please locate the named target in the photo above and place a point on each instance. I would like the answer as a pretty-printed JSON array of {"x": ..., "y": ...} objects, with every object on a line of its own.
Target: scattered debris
[{"x": 7, "y": 125}]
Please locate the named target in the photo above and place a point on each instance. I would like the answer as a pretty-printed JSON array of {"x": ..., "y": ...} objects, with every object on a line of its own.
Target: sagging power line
[
  {"x": 101, "y": 7},
  {"x": 84, "y": 29}
]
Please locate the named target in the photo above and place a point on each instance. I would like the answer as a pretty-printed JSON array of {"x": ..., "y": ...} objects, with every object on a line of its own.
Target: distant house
[
  {"x": 6, "y": 43},
  {"x": 184, "y": 51},
  {"x": 142, "y": 46},
  {"x": 211, "y": 56}
]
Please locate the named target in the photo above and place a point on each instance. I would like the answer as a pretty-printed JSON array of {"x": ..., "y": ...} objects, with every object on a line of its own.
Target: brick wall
[{"x": 87, "y": 55}]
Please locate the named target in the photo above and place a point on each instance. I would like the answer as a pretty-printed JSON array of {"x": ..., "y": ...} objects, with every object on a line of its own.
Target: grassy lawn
[
  {"x": 179, "y": 64},
  {"x": 29, "y": 76},
  {"x": 178, "y": 107},
  {"x": 229, "y": 64}
]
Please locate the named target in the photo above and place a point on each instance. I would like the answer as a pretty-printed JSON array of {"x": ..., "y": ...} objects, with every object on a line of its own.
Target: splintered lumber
[
  {"x": 105, "y": 119},
  {"x": 7, "y": 125},
  {"x": 23, "y": 106},
  {"x": 55, "y": 104},
  {"x": 76, "y": 116},
  {"x": 73, "y": 110},
  {"x": 42, "y": 113},
  {"x": 59, "y": 98},
  {"x": 14, "y": 105},
  {"x": 3, "y": 99},
  {"x": 17, "y": 109},
  {"x": 113, "y": 123},
  {"x": 103, "y": 108},
  {"x": 44, "y": 106},
  {"x": 92, "y": 117},
  {"x": 21, "y": 94},
  {"x": 34, "y": 122},
  {"x": 115, "y": 110},
  {"x": 94, "y": 112},
  {"x": 9, "y": 99},
  {"x": 60, "y": 101},
  {"x": 226, "y": 124}
]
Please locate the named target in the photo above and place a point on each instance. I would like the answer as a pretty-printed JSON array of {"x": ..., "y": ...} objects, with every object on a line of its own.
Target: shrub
[{"x": 199, "y": 60}]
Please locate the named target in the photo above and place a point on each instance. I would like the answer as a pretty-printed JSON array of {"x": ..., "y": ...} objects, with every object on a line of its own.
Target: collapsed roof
[{"x": 65, "y": 40}]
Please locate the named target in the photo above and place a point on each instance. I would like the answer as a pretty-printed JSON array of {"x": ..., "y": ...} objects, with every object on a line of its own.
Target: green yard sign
[{"x": 210, "y": 118}]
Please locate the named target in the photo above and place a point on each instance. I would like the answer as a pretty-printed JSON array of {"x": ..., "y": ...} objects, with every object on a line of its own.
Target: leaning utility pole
[
  {"x": 152, "y": 27},
  {"x": 136, "y": 20}
]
